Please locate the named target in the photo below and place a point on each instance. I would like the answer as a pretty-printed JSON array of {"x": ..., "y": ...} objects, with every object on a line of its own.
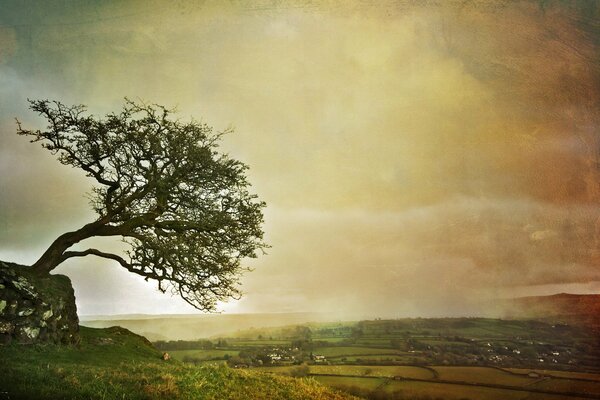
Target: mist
[{"x": 416, "y": 160}]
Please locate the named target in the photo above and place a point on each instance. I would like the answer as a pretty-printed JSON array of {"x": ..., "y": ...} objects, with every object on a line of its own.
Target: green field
[
  {"x": 566, "y": 385},
  {"x": 457, "y": 392},
  {"x": 364, "y": 370},
  {"x": 373, "y": 342},
  {"x": 430, "y": 390},
  {"x": 482, "y": 375},
  {"x": 380, "y": 371},
  {"x": 363, "y": 383},
  {"x": 202, "y": 355},
  {"x": 258, "y": 343},
  {"x": 382, "y": 358},
  {"x": 470, "y": 382},
  {"x": 338, "y": 339},
  {"x": 564, "y": 374},
  {"x": 344, "y": 351}
]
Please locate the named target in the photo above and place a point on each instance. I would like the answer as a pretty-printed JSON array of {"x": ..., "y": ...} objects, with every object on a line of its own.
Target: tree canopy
[{"x": 183, "y": 207}]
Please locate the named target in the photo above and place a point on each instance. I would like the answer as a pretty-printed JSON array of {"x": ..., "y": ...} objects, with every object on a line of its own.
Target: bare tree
[{"x": 162, "y": 185}]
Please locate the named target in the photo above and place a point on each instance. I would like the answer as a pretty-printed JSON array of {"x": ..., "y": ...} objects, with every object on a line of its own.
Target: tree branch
[{"x": 69, "y": 254}]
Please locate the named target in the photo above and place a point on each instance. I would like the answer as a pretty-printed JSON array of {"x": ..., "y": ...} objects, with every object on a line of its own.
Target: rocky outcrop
[{"x": 36, "y": 309}]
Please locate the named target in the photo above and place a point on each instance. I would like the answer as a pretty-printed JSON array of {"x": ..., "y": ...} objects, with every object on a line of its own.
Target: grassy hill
[{"x": 114, "y": 363}]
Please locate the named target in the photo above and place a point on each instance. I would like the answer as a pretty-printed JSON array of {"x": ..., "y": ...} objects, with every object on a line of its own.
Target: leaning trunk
[{"x": 54, "y": 255}]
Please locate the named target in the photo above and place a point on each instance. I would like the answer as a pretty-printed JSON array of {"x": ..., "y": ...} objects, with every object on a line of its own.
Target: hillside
[
  {"x": 563, "y": 307},
  {"x": 115, "y": 363}
]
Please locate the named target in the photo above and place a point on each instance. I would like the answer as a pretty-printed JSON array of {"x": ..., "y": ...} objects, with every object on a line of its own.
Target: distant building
[{"x": 319, "y": 358}]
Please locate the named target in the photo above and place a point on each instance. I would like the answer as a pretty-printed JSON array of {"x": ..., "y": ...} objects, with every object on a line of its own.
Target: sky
[{"x": 416, "y": 158}]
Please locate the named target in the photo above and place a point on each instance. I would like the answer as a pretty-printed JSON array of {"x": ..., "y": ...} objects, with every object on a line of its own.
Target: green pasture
[
  {"x": 482, "y": 375},
  {"x": 259, "y": 343},
  {"x": 566, "y": 385},
  {"x": 330, "y": 339},
  {"x": 417, "y": 390},
  {"x": 380, "y": 342},
  {"x": 203, "y": 354},
  {"x": 563, "y": 374},
  {"x": 392, "y": 358},
  {"x": 382, "y": 371},
  {"x": 339, "y": 381},
  {"x": 379, "y": 371},
  {"x": 341, "y": 351}
]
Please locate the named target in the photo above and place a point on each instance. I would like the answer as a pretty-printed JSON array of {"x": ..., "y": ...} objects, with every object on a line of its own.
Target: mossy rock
[{"x": 36, "y": 308}]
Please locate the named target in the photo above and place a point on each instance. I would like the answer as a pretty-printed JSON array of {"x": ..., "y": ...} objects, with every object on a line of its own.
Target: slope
[{"x": 115, "y": 363}]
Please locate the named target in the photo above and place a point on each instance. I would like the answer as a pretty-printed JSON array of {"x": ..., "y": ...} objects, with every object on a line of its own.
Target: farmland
[{"x": 462, "y": 358}]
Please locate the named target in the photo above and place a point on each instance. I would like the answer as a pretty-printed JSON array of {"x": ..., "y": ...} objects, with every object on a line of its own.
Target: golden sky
[{"x": 417, "y": 158}]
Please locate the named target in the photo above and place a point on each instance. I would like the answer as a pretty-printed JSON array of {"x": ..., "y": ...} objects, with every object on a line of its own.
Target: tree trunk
[{"x": 53, "y": 256}]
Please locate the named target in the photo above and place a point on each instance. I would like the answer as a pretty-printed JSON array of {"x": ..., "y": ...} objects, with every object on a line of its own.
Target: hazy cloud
[{"x": 414, "y": 158}]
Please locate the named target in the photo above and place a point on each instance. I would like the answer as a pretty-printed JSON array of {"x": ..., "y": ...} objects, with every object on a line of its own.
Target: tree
[{"x": 183, "y": 207}]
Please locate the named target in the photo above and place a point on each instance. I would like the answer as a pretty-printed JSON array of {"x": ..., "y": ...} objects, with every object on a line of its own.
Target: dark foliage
[{"x": 183, "y": 207}]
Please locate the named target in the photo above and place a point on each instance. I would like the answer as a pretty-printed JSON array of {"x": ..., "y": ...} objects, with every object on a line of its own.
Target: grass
[
  {"x": 330, "y": 339},
  {"x": 382, "y": 342},
  {"x": 417, "y": 390},
  {"x": 374, "y": 380},
  {"x": 361, "y": 370},
  {"x": 203, "y": 354},
  {"x": 341, "y": 381},
  {"x": 563, "y": 374},
  {"x": 482, "y": 375},
  {"x": 563, "y": 385},
  {"x": 379, "y": 371},
  {"x": 116, "y": 364},
  {"x": 260, "y": 343},
  {"x": 382, "y": 358},
  {"x": 342, "y": 351}
]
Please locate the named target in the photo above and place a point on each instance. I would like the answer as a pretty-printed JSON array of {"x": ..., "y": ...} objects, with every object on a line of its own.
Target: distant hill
[
  {"x": 562, "y": 307},
  {"x": 191, "y": 327},
  {"x": 567, "y": 308},
  {"x": 114, "y": 363}
]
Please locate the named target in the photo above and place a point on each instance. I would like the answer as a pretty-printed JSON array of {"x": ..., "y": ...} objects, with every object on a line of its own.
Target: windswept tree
[{"x": 183, "y": 207}]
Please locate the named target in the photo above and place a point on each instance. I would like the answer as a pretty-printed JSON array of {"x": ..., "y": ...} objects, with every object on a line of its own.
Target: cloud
[
  {"x": 436, "y": 259},
  {"x": 413, "y": 157}
]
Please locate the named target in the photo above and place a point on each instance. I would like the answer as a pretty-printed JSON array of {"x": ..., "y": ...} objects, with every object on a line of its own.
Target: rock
[
  {"x": 6, "y": 327},
  {"x": 24, "y": 286},
  {"x": 31, "y": 333},
  {"x": 47, "y": 315},
  {"x": 31, "y": 306},
  {"x": 25, "y": 312}
]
